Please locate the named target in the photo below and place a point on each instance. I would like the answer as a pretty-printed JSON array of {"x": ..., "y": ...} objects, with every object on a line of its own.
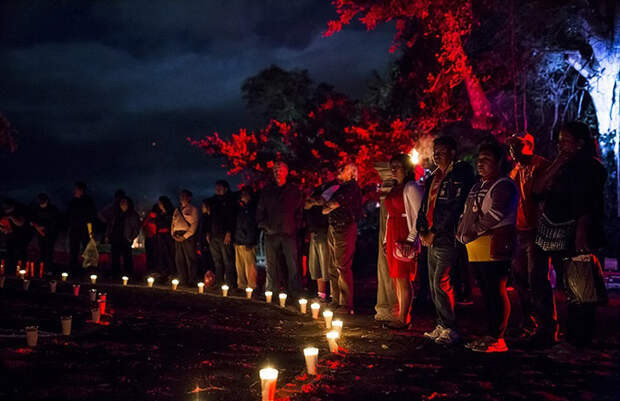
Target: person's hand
[
  {"x": 406, "y": 247},
  {"x": 208, "y": 209},
  {"x": 208, "y": 238},
  {"x": 384, "y": 248},
  {"x": 427, "y": 238},
  {"x": 178, "y": 238},
  {"x": 227, "y": 239}
]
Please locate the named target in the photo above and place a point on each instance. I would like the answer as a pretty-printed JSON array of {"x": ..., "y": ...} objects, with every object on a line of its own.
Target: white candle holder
[
  {"x": 201, "y": 288},
  {"x": 150, "y": 281},
  {"x": 92, "y": 294},
  {"x": 332, "y": 340},
  {"x": 268, "y": 296},
  {"x": 315, "y": 308},
  {"x": 282, "y": 296},
  {"x": 125, "y": 280},
  {"x": 312, "y": 356},
  {"x": 303, "y": 303},
  {"x": 328, "y": 316},
  {"x": 64, "y": 276},
  {"x": 225, "y": 289},
  {"x": 22, "y": 274},
  {"x": 337, "y": 325},
  {"x": 65, "y": 323},
  {"x": 53, "y": 286},
  {"x": 32, "y": 336},
  {"x": 268, "y": 380},
  {"x": 93, "y": 278},
  {"x": 248, "y": 292},
  {"x": 175, "y": 284},
  {"x": 95, "y": 315}
]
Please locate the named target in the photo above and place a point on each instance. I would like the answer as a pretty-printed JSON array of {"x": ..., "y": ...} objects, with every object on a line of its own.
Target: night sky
[{"x": 107, "y": 91}]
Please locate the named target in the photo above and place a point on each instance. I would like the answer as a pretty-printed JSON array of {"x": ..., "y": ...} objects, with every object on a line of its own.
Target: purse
[
  {"x": 583, "y": 280},
  {"x": 400, "y": 254},
  {"x": 553, "y": 237}
]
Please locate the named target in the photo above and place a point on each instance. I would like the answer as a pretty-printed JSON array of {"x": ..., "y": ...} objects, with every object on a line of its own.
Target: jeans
[
  {"x": 282, "y": 247},
  {"x": 185, "y": 259},
  {"x": 318, "y": 256},
  {"x": 121, "y": 248},
  {"x": 441, "y": 261},
  {"x": 223, "y": 259},
  {"x": 531, "y": 274},
  {"x": 342, "y": 249},
  {"x": 492, "y": 278}
]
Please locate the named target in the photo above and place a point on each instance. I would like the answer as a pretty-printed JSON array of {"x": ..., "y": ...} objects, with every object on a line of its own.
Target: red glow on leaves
[{"x": 24, "y": 351}]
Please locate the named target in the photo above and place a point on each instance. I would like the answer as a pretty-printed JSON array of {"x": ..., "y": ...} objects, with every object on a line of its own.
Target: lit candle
[
  {"x": 268, "y": 295},
  {"x": 248, "y": 292},
  {"x": 150, "y": 281},
  {"x": 41, "y": 266},
  {"x": 337, "y": 325},
  {"x": 225, "y": 289},
  {"x": 175, "y": 284},
  {"x": 125, "y": 280},
  {"x": 328, "y": 315},
  {"x": 312, "y": 356},
  {"x": 315, "y": 310},
  {"x": 22, "y": 274},
  {"x": 53, "y": 286},
  {"x": 64, "y": 276},
  {"x": 268, "y": 379},
  {"x": 282, "y": 297},
  {"x": 332, "y": 337},
  {"x": 93, "y": 295},
  {"x": 32, "y": 335},
  {"x": 302, "y": 305},
  {"x": 65, "y": 323},
  {"x": 201, "y": 287},
  {"x": 93, "y": 278},
  {"x": 76, "y": 289}
]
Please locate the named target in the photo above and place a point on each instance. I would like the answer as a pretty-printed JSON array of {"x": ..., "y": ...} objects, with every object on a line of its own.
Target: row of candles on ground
[{"x": 29, "y": 269}]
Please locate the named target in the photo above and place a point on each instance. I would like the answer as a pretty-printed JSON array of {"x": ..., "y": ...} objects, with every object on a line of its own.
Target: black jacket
[
  {"x": 124, "y": 226},
  {"x": 246, "y": 230},
  {"x": 81, "y": 211},
  {"x": 449, "y": 204},
  {"x": 47, "y": 217},
  {"x": 222, "y": 217},
  {"x": 280, "y": 209}
]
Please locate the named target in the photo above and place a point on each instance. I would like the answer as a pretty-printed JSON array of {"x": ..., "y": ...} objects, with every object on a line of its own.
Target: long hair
[
  {"x": 407, "y": 163},
  {"x": 167, "y": 204}
]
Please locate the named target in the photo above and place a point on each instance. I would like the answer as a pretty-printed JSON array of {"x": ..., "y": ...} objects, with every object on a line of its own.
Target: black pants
[
  {"x": 164, "y": 254},
  {"x": 281, "y": 253},
  {"x": 186, "y": 260},
  {"x": 121, "y": 248},
  {"x": 492, "y": 278},
  {"x": 16, "y": 251},
  {"x": 78, "y": 239},
  {"x": 531, "y": 275},
  {"x": 461, "y": 277},
  {"x": 223, "y": 256},
  {"x": 149, "y": 250},
  {"x": 46, "y": 250},
  {"x": 580, "y": 323}
]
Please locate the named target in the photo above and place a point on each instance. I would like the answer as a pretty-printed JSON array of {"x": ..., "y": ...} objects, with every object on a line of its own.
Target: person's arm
[
  {"x": 451, "y": 218},
  {"x": 504, "y": 201},
  {"x": 543, "y": 181},
  {"x": 413, "y": 201},
  {"x": 192, "y": 219}
]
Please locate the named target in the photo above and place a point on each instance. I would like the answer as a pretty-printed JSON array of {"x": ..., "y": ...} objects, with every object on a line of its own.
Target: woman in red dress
[{"x": 401, "y": 242}]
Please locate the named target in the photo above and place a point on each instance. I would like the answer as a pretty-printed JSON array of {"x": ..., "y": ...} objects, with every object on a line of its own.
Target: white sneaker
[
  {"x": 433, "y": 335},
  {"x": 447, "y": 337}
]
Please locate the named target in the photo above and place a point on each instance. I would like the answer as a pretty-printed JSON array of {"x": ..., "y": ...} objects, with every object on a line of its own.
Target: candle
[
  {"x": 268, "y": 379},
  {"x": 76, "y": 289},
  {"x": 2, "y": 278},
  {"x": 225, "y": 289},
  {"x": 92, "y": 295},
  {"x": 22, "y": 274},
  {"x": 282, "y": 297},
  {"x": 95, "y": 314},
  {"x": 312, "y": 356},
  {"x": 41, "y": 265},
  {"x": 65, "y": 323},
  {"x": 53, "y": 286},
  {"x": 315, "y": 310},
  {"x": 64, "y": 276},
  {"x": 248, "y": 292},
  {"x": 268, "y": 295},
  {"x": 93, "y": 278},
  {"x": 150, "y": 281},
  {"x": 328, "y": 315},
  {"x": 175, "y": 284},
  {"x": 101, "y": 303},
  {"x": 337, "y": 325},
  {"x": 125, "y": 280},
  {"x": 2, "y": 267},
  {"x": 302, "y": 305},
  {"x": 332, "y": 338},
  {"x": 26, "y": 284},
  {"x": 201, "y": 287},
  {"x": 32, "y": 335}
]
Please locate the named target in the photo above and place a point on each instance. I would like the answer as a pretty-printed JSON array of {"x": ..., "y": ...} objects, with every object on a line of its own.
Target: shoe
[
  {"x": 447, "y": 337},
  {"x": 474, "y": 343},
  {"x": 494, "y": 345},
  {"x": 435, "y": 333},
  {"x": 384, "y": 317},
  {"x": 397, "y": 325}
]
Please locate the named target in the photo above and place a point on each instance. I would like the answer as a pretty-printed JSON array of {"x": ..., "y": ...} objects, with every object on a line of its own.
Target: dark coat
[
  {"x": 449, "y": 204},
  {"x": 81, "y": 211},
  {"x": 222, "y": 217},
  {"x": 349, "y": 197},
  {"x": 130, "y": 229},
  {"x": 246, "y": 230},
  {"x": 280, "y": 209}
]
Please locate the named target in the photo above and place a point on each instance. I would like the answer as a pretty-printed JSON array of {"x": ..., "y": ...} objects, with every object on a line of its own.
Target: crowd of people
[{"x": 513, "y": 218}]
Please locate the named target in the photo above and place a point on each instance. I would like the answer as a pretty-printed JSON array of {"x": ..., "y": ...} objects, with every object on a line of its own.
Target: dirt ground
[{"x": 155, "y": 344}]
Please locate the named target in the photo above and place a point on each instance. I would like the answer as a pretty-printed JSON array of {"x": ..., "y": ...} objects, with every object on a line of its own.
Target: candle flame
[
  {"x": 268, "y": 374},
  {"x": 415, "y": 156}
]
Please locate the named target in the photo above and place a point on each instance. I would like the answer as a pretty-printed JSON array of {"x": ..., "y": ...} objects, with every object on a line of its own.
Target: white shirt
[{"x": 188, "y": 221}]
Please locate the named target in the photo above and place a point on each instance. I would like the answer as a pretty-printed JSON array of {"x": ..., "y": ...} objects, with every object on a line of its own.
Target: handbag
[
  {"x": 400, "y": 254},
  {"x": 553, "y": 237},
  {"x": 583, "y": 280}
]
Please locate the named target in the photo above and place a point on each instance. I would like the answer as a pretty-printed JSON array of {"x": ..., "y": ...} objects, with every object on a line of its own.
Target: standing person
[
  {"x": 183, "y": 229},
  {"x": 317, "y": 224},
  {"x": 45, "y": 219},
  {"x": 401, "y": 242},
  {"x": 149, "y": 230},
  {"x": 571, "y": 224},
  {"x": 205, "y": 261},
  {"x": 220, "y": 230},
  {"x": 246, "y": 237},
  {"x": 109, "y": 211},
  {"x": 164, "y": 244},
  {"x": 279, "y": 214},
  {"x": 81, "y": 211},
  {"x": 444, "y": 198},
  {"x": 487, "y": 227},
  {"x": 344, "y": 209},
  {"x": 530, "y": 267},
  {"x": 122, "y": 229},
  {"x": 14, "y": 227}
]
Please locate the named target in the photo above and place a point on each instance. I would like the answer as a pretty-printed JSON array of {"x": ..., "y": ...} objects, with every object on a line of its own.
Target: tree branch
[{"x": 576, "y": 60}]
